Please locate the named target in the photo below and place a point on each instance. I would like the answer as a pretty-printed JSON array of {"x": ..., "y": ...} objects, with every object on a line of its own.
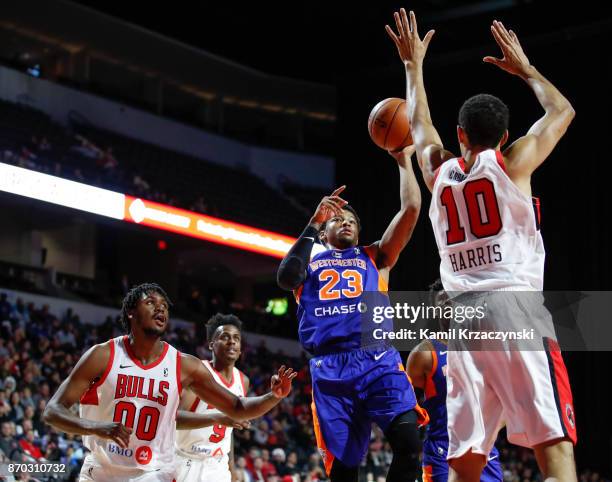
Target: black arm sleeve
[{"x": 292, "y": 270}]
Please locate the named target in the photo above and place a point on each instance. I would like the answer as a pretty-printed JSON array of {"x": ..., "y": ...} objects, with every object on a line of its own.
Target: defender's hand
[
  {"x": 329, "y": 207},
  {"x": 280, "y": 383},
  {"x": 409, "y": 45},
  {"x": 514, "y": 60}
]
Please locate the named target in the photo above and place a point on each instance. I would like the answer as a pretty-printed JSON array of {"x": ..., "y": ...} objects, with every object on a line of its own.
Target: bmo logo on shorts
[
  {"x": 143, "y": 455},
  {"x": 115, "y": 449}
]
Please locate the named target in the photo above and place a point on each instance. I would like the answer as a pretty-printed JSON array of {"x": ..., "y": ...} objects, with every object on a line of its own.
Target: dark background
[{"x": 345, "y": 45}]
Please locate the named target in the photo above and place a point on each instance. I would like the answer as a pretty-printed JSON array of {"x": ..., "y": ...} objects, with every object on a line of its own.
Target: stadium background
[{"x": 289, "y": 92}]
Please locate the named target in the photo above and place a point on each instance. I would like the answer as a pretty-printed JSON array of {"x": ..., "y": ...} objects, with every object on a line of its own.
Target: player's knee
[
  {"x": 343, "y": 473},
  {"x": 403, "y": 435}
]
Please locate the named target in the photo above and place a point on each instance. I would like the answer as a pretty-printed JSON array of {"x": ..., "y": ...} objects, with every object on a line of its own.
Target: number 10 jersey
[{"x": 486, "y": 229}]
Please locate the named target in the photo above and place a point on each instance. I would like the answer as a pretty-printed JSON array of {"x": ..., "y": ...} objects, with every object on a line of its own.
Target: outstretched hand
[
  {"x": 329, "y": 207},
  {"x": 409, "y": 45},
  {"x": 514, "y": 59},
  {"x": 280, "y": 383}
]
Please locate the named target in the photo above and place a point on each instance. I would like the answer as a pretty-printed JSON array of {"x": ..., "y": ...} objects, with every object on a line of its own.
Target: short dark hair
[
  {"x": 350, "y": 209},
  {"x": 484, "y": 118},
  {"x": 132, "y": 297},
  {"x": 218, "y": 320}
]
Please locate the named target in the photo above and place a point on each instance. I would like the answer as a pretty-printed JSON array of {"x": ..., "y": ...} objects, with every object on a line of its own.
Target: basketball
[{"x": 388, "y": 124}]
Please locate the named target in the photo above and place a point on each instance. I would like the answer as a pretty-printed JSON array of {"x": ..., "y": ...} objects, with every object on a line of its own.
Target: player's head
[
  {"x": 341, "y": 231},
  {"x": 439, "y": 299},
  {"x": 483, "y": 123},
  {"x": 146, "y": 309},
  {"x": 224, "y": 334}
]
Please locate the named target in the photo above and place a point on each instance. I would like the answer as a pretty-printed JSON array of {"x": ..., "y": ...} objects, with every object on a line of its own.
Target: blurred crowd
[{"x": 38, "y": 349}]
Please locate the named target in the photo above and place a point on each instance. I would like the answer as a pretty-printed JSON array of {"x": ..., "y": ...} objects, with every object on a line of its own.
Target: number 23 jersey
[
  {"x": 486, "y": 228},
  {"x": 336, "y": 300}
]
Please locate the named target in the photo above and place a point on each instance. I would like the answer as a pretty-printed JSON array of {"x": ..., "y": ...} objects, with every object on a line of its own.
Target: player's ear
[
  {"x": 504, "y": 138},
  {"x": 322, "y": 236},
  {"x": 461, "y": 136}
]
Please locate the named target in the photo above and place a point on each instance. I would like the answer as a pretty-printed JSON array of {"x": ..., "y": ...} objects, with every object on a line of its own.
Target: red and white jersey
[
  {"x": 486, "y": 229},
  {"x": 143, "y": 397},
  {"x": 212, "y": 441}
]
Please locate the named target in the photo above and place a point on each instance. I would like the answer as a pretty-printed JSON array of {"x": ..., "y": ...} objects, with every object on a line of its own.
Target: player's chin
[{"x": 156, "y": 330}]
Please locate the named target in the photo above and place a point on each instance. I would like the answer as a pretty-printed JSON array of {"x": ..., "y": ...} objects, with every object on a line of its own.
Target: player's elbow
[
  {"x": 48, "y": 415},
  {"x": 290, "y": 275}
]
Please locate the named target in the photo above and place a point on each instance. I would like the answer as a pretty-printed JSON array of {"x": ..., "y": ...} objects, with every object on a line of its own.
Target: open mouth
[{"x": 161, "y": 319}]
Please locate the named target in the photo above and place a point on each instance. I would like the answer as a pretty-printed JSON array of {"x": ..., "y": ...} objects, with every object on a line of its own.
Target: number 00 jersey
[
  {"x": 486, "y": 229},
  {"x": 210, "y": 441},
  {"x": 333, "y": 296},
  {"x": 142, "y": 397}
]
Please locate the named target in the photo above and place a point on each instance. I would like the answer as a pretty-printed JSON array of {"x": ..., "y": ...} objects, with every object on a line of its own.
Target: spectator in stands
[
  {"x": 44, "y": 145},
  {"x": 241, "y": 474},
  {"x": 29, "y": 447},
  {"x": 8, "y": 444},
  {"x": 85, "y": 148}
]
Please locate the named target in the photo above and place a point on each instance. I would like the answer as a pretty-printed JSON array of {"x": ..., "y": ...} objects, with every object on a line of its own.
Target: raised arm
[
  {"x": 199, "y": 380},
  {"x": 429, "y": 148},
  {"x": 529, "y": 151},
  {"x": 87, "y": 371},
  {"x": 292, "y": 270},
  {"x": 397, "y": 235}
]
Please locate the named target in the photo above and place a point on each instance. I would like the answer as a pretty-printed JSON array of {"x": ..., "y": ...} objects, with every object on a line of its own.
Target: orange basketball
[{"x": 388, "y": 124}]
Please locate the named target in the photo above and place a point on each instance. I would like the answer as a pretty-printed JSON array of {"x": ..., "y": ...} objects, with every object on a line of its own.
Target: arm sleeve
[{"x": 292, "y": 270}]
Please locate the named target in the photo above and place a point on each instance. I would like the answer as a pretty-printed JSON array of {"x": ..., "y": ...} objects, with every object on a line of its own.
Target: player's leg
[
  {"x": 386, "y": 395},
  {"x": 467, "y": 467},
  {"x": 556, "y": 460},
  {"x": 474, "y": 412},
  {"x": 403, "y": 436},
  {"x": 341, "y": 473},
  {"x": 342, "y": 434}
]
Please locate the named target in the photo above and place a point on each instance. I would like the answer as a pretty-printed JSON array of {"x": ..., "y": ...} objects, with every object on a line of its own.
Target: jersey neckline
[{"x": 133, "y": 357}]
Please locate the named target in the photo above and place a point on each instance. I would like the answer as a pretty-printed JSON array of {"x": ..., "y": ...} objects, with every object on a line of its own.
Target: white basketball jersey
[
  {"x": 485, "y": 227},
  {"x": 210, "y": 441},
  {"x": 143, "y": 397}
]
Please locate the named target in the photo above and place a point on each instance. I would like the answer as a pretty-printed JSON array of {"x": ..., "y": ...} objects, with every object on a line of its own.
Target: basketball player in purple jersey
[{"x": 355, "y": 380}]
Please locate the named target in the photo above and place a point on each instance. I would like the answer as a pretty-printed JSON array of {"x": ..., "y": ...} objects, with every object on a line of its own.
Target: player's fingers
[
  {"x": 428, "y": 37},
  {"x": 398, "y": 24},
  {"x": 514, "y": 37},
  {"x": 120, "y": 441},
  {"x": 405, "y": 24},
  {"x": 503, "y": 33},
  {"x": 293, "y": 375},
  {"x": 338, "y": 200},
  {"x": 413, "y": 23},
  {"x": 333, "y": 207},
  {"x": 338, "y": 190},
  {"x": 492, "y": 60},
  {"x": 392, "y": 35}
]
